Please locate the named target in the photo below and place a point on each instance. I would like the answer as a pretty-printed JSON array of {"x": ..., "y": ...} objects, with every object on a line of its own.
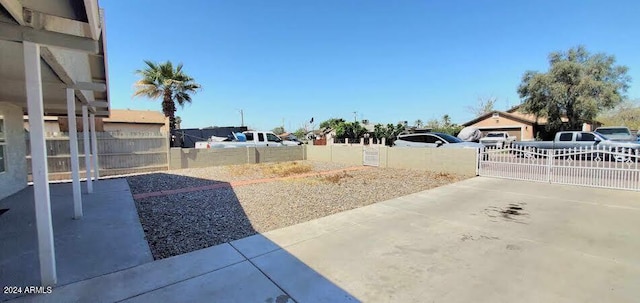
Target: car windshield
[
  {"x": 602, "y": 136},
  {"x": 448, "y": 138},
  {"x": 614, "y": 131},
  {"x": 494, "y": 135}
]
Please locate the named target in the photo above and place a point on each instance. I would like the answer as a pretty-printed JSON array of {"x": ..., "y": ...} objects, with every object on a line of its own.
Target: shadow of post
[{"x": 178, "y": 219}]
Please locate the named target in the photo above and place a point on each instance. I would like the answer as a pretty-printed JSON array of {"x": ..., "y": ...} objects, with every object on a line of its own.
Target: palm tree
[
  {"x": 166, "y": 82},
  {"x": 418, "y": 123},
  {"x": 446, "y": 120}
]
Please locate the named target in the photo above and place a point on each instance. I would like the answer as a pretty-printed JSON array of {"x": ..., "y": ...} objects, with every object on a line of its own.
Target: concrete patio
[
  {"x": 109, "y": 237},
  {"x": 480, "y": 240}
]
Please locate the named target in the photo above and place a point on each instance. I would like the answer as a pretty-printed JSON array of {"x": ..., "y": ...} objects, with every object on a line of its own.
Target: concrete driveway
[{"x": 480, "y": 240}]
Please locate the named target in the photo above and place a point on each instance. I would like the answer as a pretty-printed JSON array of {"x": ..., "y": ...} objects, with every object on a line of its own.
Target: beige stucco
[
  {"x": 134, "y": 128},
  {"x": 453, "y": 161},
  {"x": 502, "y": 122},
  {"x": 15, "y": 176},
  {"x": 193, "y": 158}
]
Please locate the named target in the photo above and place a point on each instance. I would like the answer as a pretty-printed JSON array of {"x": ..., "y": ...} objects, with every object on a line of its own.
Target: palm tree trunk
[{"x": 169, "y": 108}]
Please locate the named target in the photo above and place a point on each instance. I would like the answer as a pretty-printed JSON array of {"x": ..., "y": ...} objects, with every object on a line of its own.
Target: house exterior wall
[
  {"x": 133, "y": 128},
  {"x": 15, "y": 176},
  {"x": 501, "y": 122},
  {"x": 49, "y": 126}
]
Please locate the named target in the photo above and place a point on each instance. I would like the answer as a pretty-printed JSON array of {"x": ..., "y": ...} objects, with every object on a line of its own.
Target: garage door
[{"x": 511, "y": 131}]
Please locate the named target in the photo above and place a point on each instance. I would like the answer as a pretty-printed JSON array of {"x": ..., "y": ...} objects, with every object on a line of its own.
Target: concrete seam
[
  {"x": 264, "y": 273},
  {"x": 180, "y": 281}
]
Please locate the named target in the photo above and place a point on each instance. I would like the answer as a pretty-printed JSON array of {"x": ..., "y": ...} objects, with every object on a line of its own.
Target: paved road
[{"x": 480, "y": 240}]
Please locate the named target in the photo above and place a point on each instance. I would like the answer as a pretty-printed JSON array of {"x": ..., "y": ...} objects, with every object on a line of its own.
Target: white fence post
[
  {"x": 87, "y": 147},
  {"x": 75, "y": 159}
]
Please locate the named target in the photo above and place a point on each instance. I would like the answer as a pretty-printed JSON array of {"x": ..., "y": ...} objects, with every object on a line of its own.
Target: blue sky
[{"x": 388, "y": 61}]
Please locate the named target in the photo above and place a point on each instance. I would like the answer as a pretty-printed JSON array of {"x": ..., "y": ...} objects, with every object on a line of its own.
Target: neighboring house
[
  {"x": 124, "y": 120},
  {"x": 516, "y": 123},
  {"x": 120, "y": 120}
]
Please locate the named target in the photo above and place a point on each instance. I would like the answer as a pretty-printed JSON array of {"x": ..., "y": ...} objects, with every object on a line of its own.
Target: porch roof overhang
[{"x": 71, "y": 35}]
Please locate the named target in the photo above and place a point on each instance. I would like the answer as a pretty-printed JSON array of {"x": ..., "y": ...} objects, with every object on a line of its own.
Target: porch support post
[
  {"x": 39, "y": 171},
  {"x": 75, "y": 160},
  {"x": 86, "y": 146},
  {"x": 94, "y": 146}
]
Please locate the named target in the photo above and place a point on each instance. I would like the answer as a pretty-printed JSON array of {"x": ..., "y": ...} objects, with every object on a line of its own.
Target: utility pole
[
  {"x": 241, "y": 118},
  {"x": 355, "y": 116}
]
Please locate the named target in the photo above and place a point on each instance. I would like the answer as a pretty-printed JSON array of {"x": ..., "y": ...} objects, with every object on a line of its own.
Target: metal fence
[
  {"x": 371, "y": 155},
  {"x": 586, "y": 166},
  {"x": 118, "y": 153}
]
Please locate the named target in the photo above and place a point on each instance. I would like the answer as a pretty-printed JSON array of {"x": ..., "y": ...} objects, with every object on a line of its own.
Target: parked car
[
  {"x": 497, "y": 139},
  {"x": 616, "y": 133},
  {"x": 441, "y": 140},
  {"x": 244, "y": 139},
  {"x": 578, "y": 139}
]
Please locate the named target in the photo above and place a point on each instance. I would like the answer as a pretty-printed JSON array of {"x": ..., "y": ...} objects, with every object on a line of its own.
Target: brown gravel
[
  {"x": 180, "y": 223},
  {"x": 194, "y": 177}
]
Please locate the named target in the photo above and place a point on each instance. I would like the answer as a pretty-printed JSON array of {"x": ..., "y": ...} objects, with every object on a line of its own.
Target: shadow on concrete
[
  {"x": 189, "y": 222},
  {"x": 191, "y": 235},
  {"x": 108, "y": 238}
]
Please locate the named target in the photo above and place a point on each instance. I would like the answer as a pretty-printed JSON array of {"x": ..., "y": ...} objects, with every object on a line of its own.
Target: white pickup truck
[
  {"x": 497, "y": 139},
  {"x": 246, "y": 139}
]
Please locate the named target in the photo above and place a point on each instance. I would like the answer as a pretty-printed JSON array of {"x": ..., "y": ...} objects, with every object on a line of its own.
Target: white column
[
  {"x": 94, "y": 146},
  {"x": 39, "y": 171},
  {"x": 75, "y": 159},
  {"x": 86, "y": 146}
]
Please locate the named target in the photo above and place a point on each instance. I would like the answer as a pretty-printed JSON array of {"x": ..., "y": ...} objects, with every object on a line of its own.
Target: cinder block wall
[
  {"x": 194, "y": 158},
  {"x": 452, "y": 160},
  {"x": 351, "y": 155},
  {"x": 319, "y": 153},
  {"x": 278, "y": 154},
  {"x": 15, "y": 177},
  {"x": 456, "y": 161}
]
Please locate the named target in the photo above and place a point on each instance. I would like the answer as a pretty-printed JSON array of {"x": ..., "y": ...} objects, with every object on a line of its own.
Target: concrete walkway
[
  {"x": 480, "y": 240},
  {"x": 108, "y": 238}
]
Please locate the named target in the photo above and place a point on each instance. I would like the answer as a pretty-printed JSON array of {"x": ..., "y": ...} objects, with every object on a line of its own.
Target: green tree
[
  {"x": 483, "y": 106},
  {"x": 433, "y": 123},
  {"x": 300, "y": 133},
  {"x": 418, "y": 123},
  {"x": 278, "y": 130},
  {"x": 388, "y": 132},
  {"x": 331, "y": 123},
  {"x": 625, "y": 114},
  {"x": 178, "y": 122},
  {"x": 351, "y": 130},
  {"x": 446, "y": 121},
  {"x": 163, "y": 81},
  {"x": 576, "y": 87}
]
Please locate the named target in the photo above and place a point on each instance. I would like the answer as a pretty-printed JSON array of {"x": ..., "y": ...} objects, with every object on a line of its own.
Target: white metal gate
[
  {"x": 585, "y": 166},
  {"x": 371, "y": 156}
]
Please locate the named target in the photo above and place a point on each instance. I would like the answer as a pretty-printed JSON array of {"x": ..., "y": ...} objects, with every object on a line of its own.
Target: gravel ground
[
  {"x": 180, "y": 223},
  {"x": 193, "y": 177}
]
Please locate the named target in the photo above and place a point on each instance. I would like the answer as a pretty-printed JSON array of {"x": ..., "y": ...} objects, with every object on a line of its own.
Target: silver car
[
  {"x": 433, "y": 140},
  {"x": 616, "y": 133}
]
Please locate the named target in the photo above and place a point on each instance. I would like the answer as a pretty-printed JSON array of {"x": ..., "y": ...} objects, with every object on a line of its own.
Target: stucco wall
[
  {"x": 15, "y": 176},
  {"x": 194, "y": 158},
  {"x": 131, "y": 127},
  {"x": 455, "y": 161},
  {"x": 504, "y": 122}
]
